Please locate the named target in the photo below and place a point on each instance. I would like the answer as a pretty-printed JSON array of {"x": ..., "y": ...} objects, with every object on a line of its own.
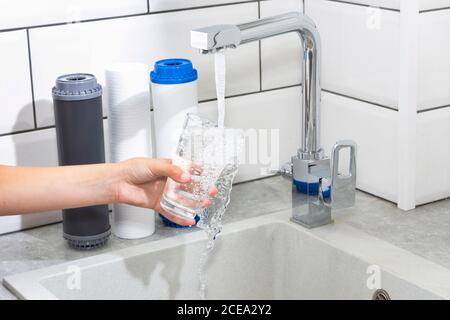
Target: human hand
[{"x": 142, "y": 180}]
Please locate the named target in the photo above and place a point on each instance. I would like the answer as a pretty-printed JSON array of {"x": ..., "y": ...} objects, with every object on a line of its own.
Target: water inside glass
[{"x": 204, "y": 150}]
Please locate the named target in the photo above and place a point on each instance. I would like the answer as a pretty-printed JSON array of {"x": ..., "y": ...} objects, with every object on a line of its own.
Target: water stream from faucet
[
  {"x": 211, "y": 222},
  {"x": 211, "y": 218},
  {"x": 220, "y": 73}
]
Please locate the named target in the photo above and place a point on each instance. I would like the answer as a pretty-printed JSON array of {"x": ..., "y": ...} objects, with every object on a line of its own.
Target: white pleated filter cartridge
[{"x": 129, "y": 123}]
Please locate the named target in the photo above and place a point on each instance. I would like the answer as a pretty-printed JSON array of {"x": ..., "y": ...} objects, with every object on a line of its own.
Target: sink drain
[{"x": 381, "y": 294}]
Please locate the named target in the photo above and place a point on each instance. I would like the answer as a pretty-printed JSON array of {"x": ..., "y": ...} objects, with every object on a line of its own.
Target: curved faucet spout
[{"x": 213, "y": 38}]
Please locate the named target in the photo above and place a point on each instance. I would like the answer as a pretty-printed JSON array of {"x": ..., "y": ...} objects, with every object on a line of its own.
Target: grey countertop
[{"x": 424, "y": 231}]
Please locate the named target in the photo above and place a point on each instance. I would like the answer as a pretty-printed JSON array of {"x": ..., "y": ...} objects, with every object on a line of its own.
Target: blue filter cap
[
  {"x": 173, "y": 71},
  {"x": 311, "y": 188},
  {"x": 171, "y": 224}
]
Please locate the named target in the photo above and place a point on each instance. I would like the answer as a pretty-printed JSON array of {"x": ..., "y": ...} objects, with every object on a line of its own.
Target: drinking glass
[{"x": 203, "y": 150}]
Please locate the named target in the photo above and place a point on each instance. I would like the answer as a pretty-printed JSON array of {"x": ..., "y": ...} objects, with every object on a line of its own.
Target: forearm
[{"x": 31, "y": 189}]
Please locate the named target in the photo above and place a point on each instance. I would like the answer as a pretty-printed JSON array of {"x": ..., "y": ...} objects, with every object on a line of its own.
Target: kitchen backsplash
[{"x": 40, "y": 40}]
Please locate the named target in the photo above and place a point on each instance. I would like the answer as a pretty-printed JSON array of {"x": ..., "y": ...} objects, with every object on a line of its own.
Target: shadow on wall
[
  {"x": 45, "y": 108},
  {"x": 36, "y": 148}
]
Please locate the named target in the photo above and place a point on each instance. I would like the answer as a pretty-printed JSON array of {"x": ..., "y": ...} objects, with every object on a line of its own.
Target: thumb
[{"x": 165, "y": 168}]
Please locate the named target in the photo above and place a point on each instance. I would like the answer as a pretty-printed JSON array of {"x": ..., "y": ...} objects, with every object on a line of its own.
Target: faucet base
[
  {"x": 310, "y": 211},
  {"x": 312, "y": 215},
  {"x": 311, "y": 226}
]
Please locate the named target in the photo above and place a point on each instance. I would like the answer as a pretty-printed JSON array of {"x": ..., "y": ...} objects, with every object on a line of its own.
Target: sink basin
[{"x": 267, "y": 257}]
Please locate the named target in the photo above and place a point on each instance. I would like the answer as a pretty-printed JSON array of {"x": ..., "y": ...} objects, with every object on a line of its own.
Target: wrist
[{"x": 117, "y": 177}]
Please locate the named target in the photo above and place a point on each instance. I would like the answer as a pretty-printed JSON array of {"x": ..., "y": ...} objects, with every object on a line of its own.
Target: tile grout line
[
  {"x": 360, "y": 100},
  {"x": 34, "y": 130},
  {"x": 434, "y": 10},
  {"x": 190, "y": 8},
  {"x": 433, "y": 108},
  {"x": 30, "y": 66},
  {"x": 58, "y": 24},
  {"x": 299, "y": 85},
  {"x": 148, "y": 13},
  {"x": 252, "y": 93},
  {"x": 363, "y": 5},
  {"x": 26, "y": 131}
]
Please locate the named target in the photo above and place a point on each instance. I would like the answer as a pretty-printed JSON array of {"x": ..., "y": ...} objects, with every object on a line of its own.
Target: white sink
[{"x": 267, "y": 257}]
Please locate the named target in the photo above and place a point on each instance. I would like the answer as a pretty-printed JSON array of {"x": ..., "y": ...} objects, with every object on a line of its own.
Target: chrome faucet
[{"x": 311, "y": 199}]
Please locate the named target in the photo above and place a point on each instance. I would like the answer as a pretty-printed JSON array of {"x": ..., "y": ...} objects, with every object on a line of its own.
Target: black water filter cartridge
[{"x": 77, "y": 102}]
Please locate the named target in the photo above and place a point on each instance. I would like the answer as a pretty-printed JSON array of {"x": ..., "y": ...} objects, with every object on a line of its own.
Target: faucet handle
[{"x": 343, "y": 185}]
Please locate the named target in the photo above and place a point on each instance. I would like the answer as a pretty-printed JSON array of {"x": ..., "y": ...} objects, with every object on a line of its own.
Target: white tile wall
[
  {"x": 433, "y": 127},
  {"x": 434, "y": 59},
  {"x": 37, "y": 148},
  {"x": 21, "y": 222},
  {"x": 360, "y": 50},
  {"x": 162, "y": 5},
  {"x": 88, "y": 47},
  {"x": 257, "y": 112},
  {"x": 433, "y": 154},
  {"x": 374, "y": 129},
  {"x": 20, "y": 13},
  {"x": 15, "y": 86},
  {"x": 280, "y": 56}
]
